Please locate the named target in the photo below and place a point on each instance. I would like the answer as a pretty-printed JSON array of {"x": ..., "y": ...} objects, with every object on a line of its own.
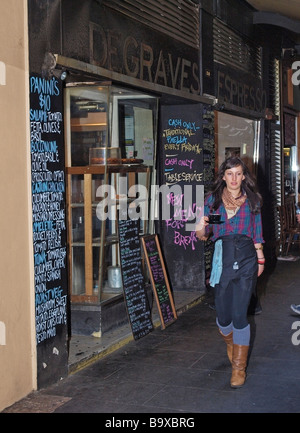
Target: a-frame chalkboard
[
  {"x": 137, "y": 304},
  {"x": 159, "y": 280}
]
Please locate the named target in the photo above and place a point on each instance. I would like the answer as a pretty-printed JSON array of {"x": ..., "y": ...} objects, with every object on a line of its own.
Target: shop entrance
[{"x": 110, "y": 153}]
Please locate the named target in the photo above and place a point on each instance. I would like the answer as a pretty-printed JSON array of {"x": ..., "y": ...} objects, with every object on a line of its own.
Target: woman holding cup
[{"x": 238, "y": 256}]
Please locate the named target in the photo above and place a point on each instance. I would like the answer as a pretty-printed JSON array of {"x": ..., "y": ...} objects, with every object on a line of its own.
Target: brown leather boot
[
  {"x": 239, "y": 364},
  {"x": 229, "y": 342}
]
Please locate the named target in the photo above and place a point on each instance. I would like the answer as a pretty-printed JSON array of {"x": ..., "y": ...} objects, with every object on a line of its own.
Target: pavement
[{"x": 183, "y": 369}]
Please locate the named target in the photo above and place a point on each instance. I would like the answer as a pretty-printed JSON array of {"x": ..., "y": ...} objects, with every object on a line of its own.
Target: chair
[
  {"x": 290, "y": 210},
  {"x": 292, "y": 226}
]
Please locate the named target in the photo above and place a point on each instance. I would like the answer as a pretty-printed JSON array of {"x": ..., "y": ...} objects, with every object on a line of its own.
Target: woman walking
[{"x": 238, "y": 256}]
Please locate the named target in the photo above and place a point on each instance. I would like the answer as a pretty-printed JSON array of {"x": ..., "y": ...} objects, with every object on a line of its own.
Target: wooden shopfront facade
[
  {"x": 112, "y": 75},
  {"x": 128, "y": 75},
  {"x": 175, "y": 87}
]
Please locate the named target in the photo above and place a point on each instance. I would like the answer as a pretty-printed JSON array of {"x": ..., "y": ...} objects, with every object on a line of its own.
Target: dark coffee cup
[{"x": 214, "y": 218}]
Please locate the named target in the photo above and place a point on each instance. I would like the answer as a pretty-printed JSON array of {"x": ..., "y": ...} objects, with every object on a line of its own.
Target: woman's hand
[
  {"x": 260, "y": 258},
  {"x": 261, "y": 268},
  {"x": 200, "y": 228}
]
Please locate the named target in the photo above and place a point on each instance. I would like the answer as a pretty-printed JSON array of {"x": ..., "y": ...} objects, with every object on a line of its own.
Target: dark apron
[{"x": 239, "y": 259}]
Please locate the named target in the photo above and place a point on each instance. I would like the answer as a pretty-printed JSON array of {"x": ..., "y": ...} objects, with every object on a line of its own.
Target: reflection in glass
[{"x": 237, "y": 136}]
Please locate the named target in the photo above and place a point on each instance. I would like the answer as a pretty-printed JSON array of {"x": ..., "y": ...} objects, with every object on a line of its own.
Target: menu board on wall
[
  {"x": 49, "y": 227},
  {"x": 136, "y": 300},
  {"x": 208, "y": 173},
  {"x": 159, "y": 280},
  {"x": 181, "y": 199}
]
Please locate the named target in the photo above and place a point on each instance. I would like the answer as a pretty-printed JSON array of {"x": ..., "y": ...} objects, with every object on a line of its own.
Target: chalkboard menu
[
  {"x": 137, "y": 304},
  {"x": 182, "y": 193},
  {"x": 49, "y": 227},
  {"x": 208, "y": 173},
  {"x": 159, "y": 280}
]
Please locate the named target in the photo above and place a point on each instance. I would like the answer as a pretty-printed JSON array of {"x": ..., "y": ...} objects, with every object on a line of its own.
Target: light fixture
[
  {"x": 63, "y": 75},
  {"x": 59, "y": 73}
]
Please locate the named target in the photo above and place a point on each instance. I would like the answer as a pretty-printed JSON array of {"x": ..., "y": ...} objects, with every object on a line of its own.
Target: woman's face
[{"x": 233, "y": 178}]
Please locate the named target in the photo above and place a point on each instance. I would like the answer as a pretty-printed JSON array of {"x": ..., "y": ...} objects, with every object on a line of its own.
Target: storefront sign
[
  {"x": 116, "y": 47},
  {"x": 129, "y": 49},
  {"x": 240, "y": 89}
]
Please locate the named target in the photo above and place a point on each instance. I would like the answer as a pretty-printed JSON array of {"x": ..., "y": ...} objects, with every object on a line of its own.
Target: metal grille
[
  {"x": 274, "y": 87},
  {"x": 176, "y": 18},
  {"x": 276, "y": 163},
  {"x": 232, "y": 50},
  {"x": 275, "y": 142},
  {"x": 276, "y": 174}
]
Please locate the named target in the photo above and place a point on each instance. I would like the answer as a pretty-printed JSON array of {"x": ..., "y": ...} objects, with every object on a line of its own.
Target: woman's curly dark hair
[{"x": 248, "y": 185}]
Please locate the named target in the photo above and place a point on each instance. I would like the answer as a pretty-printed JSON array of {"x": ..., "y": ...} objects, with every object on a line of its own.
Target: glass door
[{"x": 237, "y": 136}]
